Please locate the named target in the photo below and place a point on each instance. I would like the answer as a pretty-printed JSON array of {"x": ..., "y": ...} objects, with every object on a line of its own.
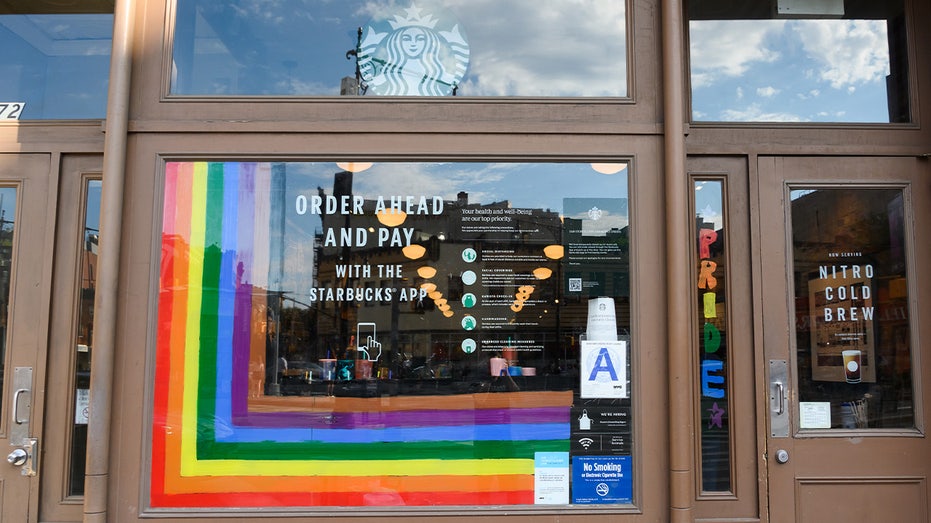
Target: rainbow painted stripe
[{"x": 214, "y": 446}]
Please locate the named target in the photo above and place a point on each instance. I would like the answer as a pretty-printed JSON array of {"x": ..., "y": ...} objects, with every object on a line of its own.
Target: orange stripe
[
  {"x": 499, "y": 400},
  {"x": 179, "y": 322},
  {"x": 258, "y": 342},
  {"x": 176, "y": 484}
]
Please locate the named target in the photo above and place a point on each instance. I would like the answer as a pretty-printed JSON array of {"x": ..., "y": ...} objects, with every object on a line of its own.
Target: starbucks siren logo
[{"x": 413, "y": 54}]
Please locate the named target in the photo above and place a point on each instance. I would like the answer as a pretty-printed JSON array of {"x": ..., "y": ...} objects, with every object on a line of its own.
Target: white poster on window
[
  {"x": 603, "y": 369},
  {"x": 551, "y": 478},
  {"x": 814, "y": 414},
  {"x": 81, "y": 406}
]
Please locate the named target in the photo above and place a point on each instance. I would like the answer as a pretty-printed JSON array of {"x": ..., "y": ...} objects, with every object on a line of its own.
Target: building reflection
[{"x": 411, "y": 287}]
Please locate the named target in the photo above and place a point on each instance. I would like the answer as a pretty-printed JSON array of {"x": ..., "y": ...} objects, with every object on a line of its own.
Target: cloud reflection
[{"x": 779, "y": 69}]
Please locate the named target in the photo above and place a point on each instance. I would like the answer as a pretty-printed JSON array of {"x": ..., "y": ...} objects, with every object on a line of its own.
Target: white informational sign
[
  {"x": 603, "y": 369},
  {"x": 814, "y": 414},
  {"x": 551, "y": 478},
  {"x": 11, "y": 110},
  {"x": 81, "y": 406}
]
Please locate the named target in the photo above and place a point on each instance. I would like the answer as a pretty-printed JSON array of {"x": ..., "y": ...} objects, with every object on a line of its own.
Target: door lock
[
  {"x": 26, "y": 457},
  {"x": 782, "y": 456},
  {"x": 17, "y": 458}
]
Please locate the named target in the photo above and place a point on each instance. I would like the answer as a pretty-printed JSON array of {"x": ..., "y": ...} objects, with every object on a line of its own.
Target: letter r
[{"x": 706, "y": 279}]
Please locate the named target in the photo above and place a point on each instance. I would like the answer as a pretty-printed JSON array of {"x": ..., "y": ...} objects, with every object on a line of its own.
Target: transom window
[
  {"x": 55, "y": 60},
  {"x": 798, "y": 61},
  {"x": 533, "y": 48}
]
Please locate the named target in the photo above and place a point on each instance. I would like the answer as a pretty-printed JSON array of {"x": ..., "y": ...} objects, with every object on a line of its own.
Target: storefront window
[
  {"x": 393, "y": 334},
  {"x": 852, "y": 311},
  {"x": 56, "y": 60},
  {"x": 532, "y": 48},
  {"x": 799, "y": 61}
]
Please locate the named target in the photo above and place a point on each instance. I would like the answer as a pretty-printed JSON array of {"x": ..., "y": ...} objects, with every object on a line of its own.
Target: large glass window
[
  {"x": 798, "y": 61},
  {"x": 7, "y": 226},
  {"x": 536, "y": 48},
  {"x": 711, "y": 279},
  {"x": 55, "y": 60},
  {"x": 852, "y": 311},
  {"x": 84, "y": 337},
  {"x": 393, "y": 334}
]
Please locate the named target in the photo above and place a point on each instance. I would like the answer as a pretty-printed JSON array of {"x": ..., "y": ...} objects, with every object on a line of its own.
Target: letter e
[{"x": 707, "y": 380}]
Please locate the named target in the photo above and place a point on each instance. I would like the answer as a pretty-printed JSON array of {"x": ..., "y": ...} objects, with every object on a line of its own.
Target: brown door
[
  {"x": 26, "y": 217},
  {"x": 71, "y": 338},
  {"x": 842, "y": 259}
]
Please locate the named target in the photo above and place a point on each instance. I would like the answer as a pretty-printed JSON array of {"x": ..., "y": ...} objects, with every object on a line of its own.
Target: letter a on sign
[
  {"x": 603, "y": 364},
  {"x": 603, "y": 369}
]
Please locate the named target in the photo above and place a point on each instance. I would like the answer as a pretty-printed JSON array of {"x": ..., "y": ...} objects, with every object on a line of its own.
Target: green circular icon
[
  {"x": 468, "y": 300},
  {"x": 468, "y": 345}
]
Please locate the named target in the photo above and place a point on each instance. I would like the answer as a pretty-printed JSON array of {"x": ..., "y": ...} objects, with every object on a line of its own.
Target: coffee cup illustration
[{"x": 852, "y": 365}]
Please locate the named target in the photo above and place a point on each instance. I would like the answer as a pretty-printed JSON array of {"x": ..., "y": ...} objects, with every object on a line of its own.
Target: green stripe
[
  {"x": 213, "y": 255},
  {"x": 209, "y": 448},
  {"x": 448, "y": 450}
]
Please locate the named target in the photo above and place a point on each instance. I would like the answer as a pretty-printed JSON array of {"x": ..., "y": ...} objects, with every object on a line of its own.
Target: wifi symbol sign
[{"x": 586, "y": 442}]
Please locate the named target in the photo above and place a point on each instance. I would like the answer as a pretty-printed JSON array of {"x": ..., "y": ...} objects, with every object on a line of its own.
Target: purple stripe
[
  {"x": 404, "y": 418},
  {"x": 242, "y": 310},
  {"x": 241, "y": 340}
]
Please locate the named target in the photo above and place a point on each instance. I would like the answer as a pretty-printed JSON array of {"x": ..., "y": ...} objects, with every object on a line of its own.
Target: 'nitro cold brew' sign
[{"x": 841, "y": 307}]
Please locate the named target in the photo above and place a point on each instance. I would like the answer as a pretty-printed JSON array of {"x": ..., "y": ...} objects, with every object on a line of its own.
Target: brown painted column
[
  {"x": 97, "y": 470},
  {"x": 678, "y": 274}
]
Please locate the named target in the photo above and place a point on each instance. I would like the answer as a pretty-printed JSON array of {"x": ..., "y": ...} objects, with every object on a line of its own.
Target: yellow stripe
[
  {"x": 191, "y": 467},
  {"x": 413, "y": 467},
  {"x": 192, "y": 339}
]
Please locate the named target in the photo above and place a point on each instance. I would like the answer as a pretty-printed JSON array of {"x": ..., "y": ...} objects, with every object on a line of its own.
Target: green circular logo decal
[{"x": 413, "y": 53}]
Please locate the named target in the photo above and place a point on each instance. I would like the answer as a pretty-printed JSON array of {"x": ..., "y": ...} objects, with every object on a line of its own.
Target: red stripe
[
  {"x": 162, "y": 367},
  {"x": 340, "y": 499}
]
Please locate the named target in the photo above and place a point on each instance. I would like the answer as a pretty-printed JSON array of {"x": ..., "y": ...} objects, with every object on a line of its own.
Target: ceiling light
[
  {"x": 354, "y": 167},
  {"x": 414, "y": 251},
  {"x": 554, "y": 252},
  {"x": 609, "y": 168}
]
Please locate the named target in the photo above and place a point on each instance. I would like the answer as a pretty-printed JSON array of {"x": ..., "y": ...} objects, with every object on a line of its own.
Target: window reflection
[
  {"x": 84, "y": 337},
  {"x": 7, "y": 222},
  {"x": 747, "y": 66},
  {"x": 711, "y": 285},
  {"x": 851, "y": 305},
  {"x": 423, "y": 318},
  {"x": 56, "y": 66},
  {"x": 537, "y": 48}
]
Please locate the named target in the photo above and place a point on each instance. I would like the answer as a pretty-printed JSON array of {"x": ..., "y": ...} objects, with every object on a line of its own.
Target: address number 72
[{"x": 11, "y": 110}]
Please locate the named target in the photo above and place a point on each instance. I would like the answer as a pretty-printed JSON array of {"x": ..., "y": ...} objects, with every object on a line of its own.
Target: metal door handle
[
  {"x": 16, "y": 407},
  {"x": 26, "y": 457},
  {"x": 780, "y": 395},
  {"x": 17, "y": 458},
  {"x": 778, "y": 415}
]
